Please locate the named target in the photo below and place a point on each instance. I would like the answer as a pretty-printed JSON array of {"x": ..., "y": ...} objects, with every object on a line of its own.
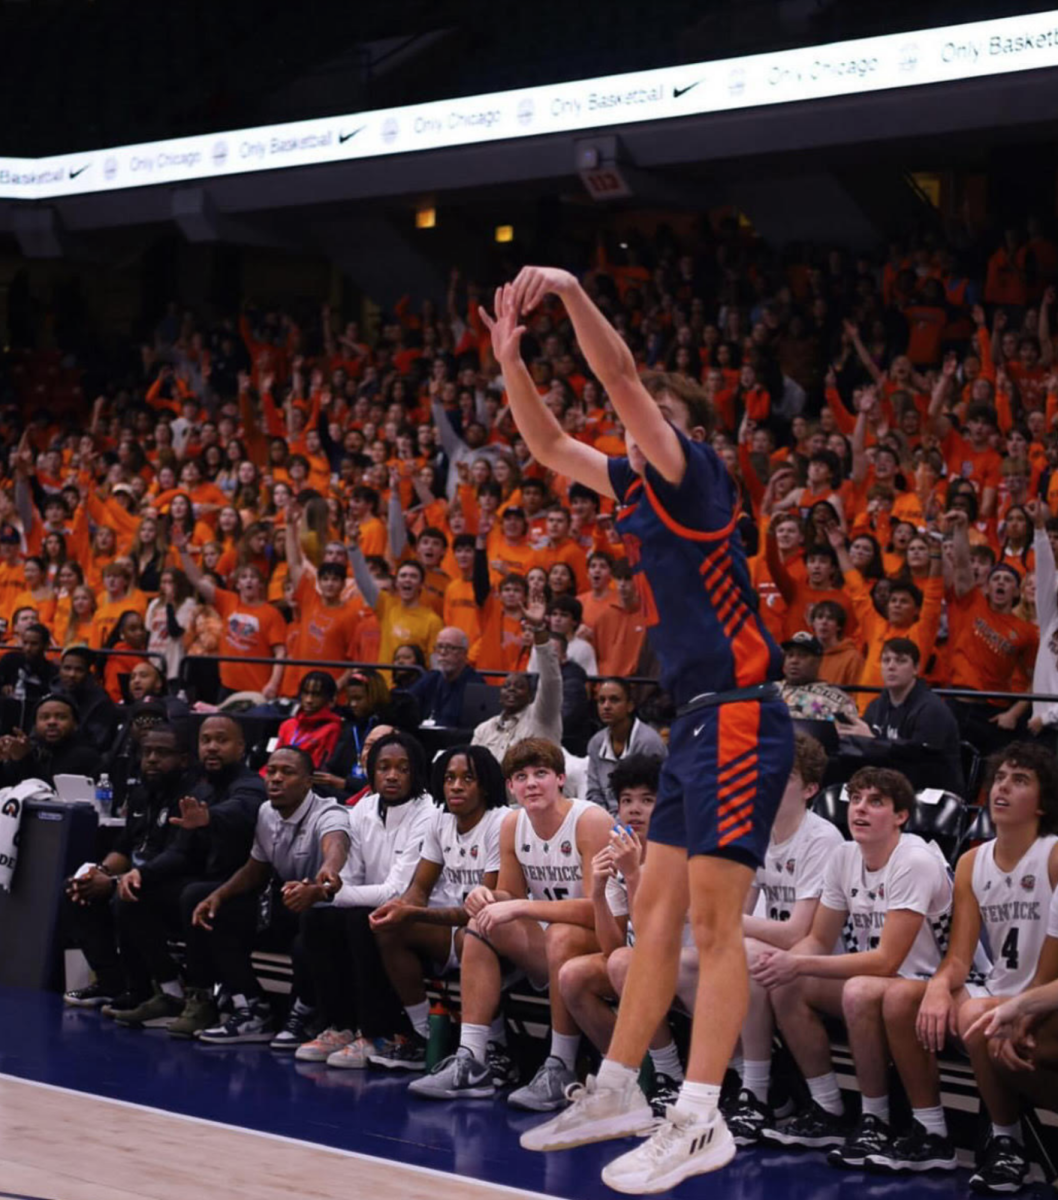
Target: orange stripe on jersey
[
  {"x": 695, "y": 535},
  {"x": 738, "y": 734},
  {"x": 752, "y": 657}
]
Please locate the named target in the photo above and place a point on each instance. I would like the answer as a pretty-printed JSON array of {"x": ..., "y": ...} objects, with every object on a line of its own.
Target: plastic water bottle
[
  {"x": 440, "y": 1036},
  {"x": 104, "y": 796}
]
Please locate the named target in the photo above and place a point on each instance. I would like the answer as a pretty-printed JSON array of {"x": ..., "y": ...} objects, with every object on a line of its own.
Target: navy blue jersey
[{"x": 684, "y": 546}]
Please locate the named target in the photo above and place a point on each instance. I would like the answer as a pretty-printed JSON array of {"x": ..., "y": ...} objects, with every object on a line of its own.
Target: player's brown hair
[
  {"x": 893, "y": 785},
  {"x": 691, "y": 394},
  {"x": 1031, "y": 756},
  {"x": 533, "y": 752},
  {"x": 809, "y": 758}
]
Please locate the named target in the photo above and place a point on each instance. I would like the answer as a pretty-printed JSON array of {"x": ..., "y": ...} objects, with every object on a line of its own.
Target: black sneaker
[
  {"x": 403, "y": 1054},
  {"x": 299, "y": 1028},
  {"x": 916, "y": 1150},
  {"x": 250, "y": 1024},
  {"x": 664, "y": 1093},
  {"x": 122, "y": 1003},
  {"x": 814, "y": 1128},
  {"x": 870, "y": 1136},
  {"x": 746, "y": 1117},
  {"x": 504, "y": 1070},
  {"x": 92, "y": 996},
  {"x": 1003, "y": 1167}
]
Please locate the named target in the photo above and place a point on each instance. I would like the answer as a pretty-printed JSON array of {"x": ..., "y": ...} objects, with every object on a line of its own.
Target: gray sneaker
[
  {"x": 546, "y": 1091},
  {"x": 459, "y": 1077}
]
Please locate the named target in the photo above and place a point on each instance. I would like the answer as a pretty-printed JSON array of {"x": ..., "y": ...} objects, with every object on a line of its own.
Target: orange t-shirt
[
  {"x": 990, "y": 651},
  {"x": 500, "y": 647},
  {"x": 327, "y": 634},
  {"x": 250, "y": 630},
  {"x": 619, "y": 637},
  {"x": 461, "y": 609}
]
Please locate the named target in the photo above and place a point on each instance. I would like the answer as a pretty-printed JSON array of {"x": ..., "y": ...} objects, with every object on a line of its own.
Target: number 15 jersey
[{"x": 552, "y": 866}]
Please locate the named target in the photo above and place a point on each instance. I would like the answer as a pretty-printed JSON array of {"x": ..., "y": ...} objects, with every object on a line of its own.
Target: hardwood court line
[{"x": 432, "y": 1173}]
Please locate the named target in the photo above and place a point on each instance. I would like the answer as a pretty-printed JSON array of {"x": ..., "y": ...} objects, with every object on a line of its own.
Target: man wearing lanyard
[{"x": 302, "y": 841}]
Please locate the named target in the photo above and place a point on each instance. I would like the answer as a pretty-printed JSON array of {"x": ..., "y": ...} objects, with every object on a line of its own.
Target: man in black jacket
[
  {"x": 57, "y": 746},
  {"x": 26, "y": 675},
  {"x": 121, "y": 913},
  {"x": 921, "y": 735},
  {"x": 99, "y": 714}
]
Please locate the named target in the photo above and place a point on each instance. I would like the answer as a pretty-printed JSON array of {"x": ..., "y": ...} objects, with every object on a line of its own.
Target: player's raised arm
[
  {"x": 547, "y": 441},
  {"x": 612, "y": 363}
]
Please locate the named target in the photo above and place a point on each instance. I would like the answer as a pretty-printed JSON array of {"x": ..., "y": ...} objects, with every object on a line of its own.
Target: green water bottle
[{"x": 440, "y": 1036}]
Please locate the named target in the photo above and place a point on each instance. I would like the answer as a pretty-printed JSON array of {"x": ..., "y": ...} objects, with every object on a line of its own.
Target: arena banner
[{"x": 898, "y": 60}]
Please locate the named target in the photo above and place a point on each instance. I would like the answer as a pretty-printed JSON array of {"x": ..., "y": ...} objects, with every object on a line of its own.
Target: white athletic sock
[
  {"x": 172, "y": 987},
  {"x": 1010, "y": 1131},
  {"x": 498, "y": 1031},
  {"x": 476, "y": 1039},
  {"x": 301, "y": 1008},
  {"x": 826, "y": 1093},
  {"x": 565, "y": 1047},
  {"x": 667, "y": 1062},
  {"x": 239, "y": 1001},
  {"x": 932, "y": 1119},
  {"x": 419, "y": 1016},
  {"x": 701, "y": 1099},
  {"x": 756, "y": 1078},
  {"x": 876, "y": 1106},
  {"x": 615, "y": 1075}
]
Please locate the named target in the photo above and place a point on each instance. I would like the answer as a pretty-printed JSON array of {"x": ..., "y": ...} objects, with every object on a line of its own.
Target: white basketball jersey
[
  {"x": 465, "y": 857},
  {"x": 1014, "y": 911},
  {"x": 552, "y": 866},
  {"x": 1052, "y": 919},
  {"x": 915, "y": 877},
  {"x": 794, "y": 870}
]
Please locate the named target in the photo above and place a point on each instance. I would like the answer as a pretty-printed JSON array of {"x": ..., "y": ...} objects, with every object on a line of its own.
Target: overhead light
[
  {"x": 425, "y": 217},
  {"x": 623, "y": 245},
  {"x": 504, "y": 233}
]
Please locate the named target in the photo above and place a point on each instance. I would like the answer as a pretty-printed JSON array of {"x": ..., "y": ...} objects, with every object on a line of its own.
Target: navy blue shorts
[{"x": 723, "y": 780}]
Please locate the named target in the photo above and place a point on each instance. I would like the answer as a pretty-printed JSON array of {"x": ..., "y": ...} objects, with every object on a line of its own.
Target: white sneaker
[
  {"x": 322, "y": 1047},
  {"x": 682, "y": 1146},
  {"x": 354, "y": 1055},
  {"x": 594, "y": 1115}
]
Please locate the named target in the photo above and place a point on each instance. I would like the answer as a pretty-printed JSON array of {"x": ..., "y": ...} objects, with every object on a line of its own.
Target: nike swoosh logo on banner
[
  {"x": 678, "y": 92},
  {"x": 344, "y": 137},
  {"x": 79, "y": 171}
]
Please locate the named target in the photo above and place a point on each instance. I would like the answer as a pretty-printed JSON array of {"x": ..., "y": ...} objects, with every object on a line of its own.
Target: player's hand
[
  {"x": 532, "y": 284},
  {"x": 1016, "y": 1053},
  {"x": 270, "y": 691},
  {"x": 627, "y": 851},
  {"x": 329, "y": 879},
  {"x": 602, "y": 870},
  {"x": 129, "y": 885},
  {"x": 1035, "y": 725},
  {"x": 298, "y": 896},
  {"x": 194, "y": 814},
  {"x": 504, "y": 329},
  {"x": 322, "y": 778},
  {"x": 1005, "y": 720},
  {"x": 205, "y": 912},
  {"x": 956, "y": 519},
  {"x": 499, "y": 913},
  {"x": 477, "y": 900},
  {"x": 936, "y": 1017},
  {"x": 393, "y": 912},
  {"x": 998, "y": 1022},
  {"x": 774, "y": 968},
  {"x": 90, "y": 887}
]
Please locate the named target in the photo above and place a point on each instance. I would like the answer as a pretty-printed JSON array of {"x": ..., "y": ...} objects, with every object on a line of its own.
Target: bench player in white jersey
[
  {"x": 887, "y": 896},
  {"x": 1023, "y": 1031},
  {"x": 538, "y": 917},
  {"x": 589, "y": 985},
  {"x": 1003, "y": 890},
  {"x": 460, "y": 851},
  {"x": 786, "y": 890}
]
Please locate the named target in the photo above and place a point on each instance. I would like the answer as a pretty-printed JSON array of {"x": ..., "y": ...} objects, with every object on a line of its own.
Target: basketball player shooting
[{"x": 730, "y": 748}]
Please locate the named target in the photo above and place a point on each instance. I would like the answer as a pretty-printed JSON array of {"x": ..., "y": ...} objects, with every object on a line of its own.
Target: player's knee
[
  {"x": 860, "y": 997},
  {"x": 901, "y": 1002},
  {"x": 562, "y": 943},
  {"x": 574, "y": 977},
  {"x": 966, "y": 1016},
  {"x": 617, "y": 967}
]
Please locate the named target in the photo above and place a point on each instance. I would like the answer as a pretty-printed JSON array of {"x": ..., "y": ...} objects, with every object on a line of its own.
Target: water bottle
[
  {"x": 440, "y": 1036},
  {"x": 104, "y": 796}
]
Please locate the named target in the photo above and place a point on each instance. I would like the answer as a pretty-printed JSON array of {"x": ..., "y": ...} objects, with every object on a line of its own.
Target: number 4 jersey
[
  {"x": 464, "y": 857},
  {"x": 794, "y": 870},
  {"x": 915, "y": 878},
  {"x": 1014, "y": 909},
  {"x": 552, "y": 866}
]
